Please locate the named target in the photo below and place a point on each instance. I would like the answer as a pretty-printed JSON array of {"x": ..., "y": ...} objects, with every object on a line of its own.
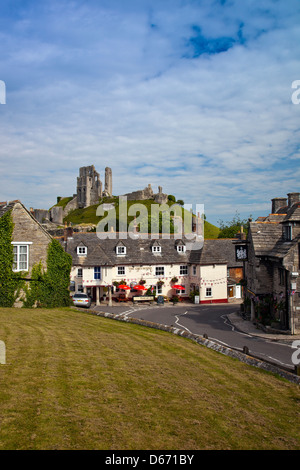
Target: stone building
[
  {"x": 30, "y": 240},
  {"x": 272, "y": 269}
]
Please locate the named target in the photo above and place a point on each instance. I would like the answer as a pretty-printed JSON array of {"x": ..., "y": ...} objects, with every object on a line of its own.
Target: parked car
[{"x": 81, "y": 300}]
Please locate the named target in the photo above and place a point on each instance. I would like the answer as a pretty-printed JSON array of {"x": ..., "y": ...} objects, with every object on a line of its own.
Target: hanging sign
[{"x": 241, "y": 253}]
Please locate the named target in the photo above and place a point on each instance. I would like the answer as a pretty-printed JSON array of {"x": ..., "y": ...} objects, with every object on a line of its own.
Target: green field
[{"x": 73, "y": 380}]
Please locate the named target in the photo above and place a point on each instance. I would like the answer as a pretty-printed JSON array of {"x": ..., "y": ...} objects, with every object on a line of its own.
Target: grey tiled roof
[
  {"x": 293, "y": 213},
  {"x": 220, "y": 250},
  {"x": 265, "y": 236},
  {"x": 139, "y": 252},
  {"x": 6, "y": 206}
]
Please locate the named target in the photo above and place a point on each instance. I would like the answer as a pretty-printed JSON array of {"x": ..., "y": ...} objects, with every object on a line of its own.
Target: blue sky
[{"x": 191, "y": 95}]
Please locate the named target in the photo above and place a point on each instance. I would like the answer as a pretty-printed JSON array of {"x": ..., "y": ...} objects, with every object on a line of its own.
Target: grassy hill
[
  {"x": 88, "y": 216},
  {"x": 75, "y": 381}
]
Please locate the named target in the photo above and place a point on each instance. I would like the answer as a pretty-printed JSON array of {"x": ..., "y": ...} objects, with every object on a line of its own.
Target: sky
[{"x": 191, "y": 95}]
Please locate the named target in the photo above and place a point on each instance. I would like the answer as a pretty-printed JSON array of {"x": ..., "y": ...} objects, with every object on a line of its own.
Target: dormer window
[
  {"x": 156, "y": 248},
  {"x": 180, "y": 246},
  {"x": 121, "y": 250},
  {"x": 82, "y": 250}
]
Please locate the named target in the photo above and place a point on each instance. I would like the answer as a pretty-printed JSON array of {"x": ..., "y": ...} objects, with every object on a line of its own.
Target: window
[
  {"x": 181, "y": 248},
  {"x": 121, "y": 250},
  {"x": 21, "y": 256},
  {"x": 82, "y": 250},
  {"x": 159, "y": 271},
  {"x": 194, "y": 270},
  {"x": 121, "y": 270},
  {"x": 79, "y": 272},
  {"x": 287, "y": 232},
  {"x": 97, "y": 272},
  {"x": 208, "y": 292},
  {"x": 180, "y": 291},
  {"x": 183, "y": 270},
  {"x": 80, "y": 288},
  {"x": 156, "y": 249},
  {"x": 159, "y": 288},
  {"x": 281, "y": 276}
]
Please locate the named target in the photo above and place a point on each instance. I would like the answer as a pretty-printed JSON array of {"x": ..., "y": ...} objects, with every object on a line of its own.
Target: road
[{"x": 212, "y": 321}]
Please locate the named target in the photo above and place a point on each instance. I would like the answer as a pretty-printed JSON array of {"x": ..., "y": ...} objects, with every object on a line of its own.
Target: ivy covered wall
[
  {"x": 48, "y": 287},
  {"x": 10, "y": 282}
]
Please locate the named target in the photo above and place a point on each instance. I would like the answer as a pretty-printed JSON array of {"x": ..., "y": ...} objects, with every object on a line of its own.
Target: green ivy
[
  {"x": 10, "y": 282},
  {"x": 47, "y": 288},
  {"x": 50, "y": 288}
]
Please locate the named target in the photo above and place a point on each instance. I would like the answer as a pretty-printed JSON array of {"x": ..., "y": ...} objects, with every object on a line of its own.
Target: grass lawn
[{"x": 76, "y": 381}]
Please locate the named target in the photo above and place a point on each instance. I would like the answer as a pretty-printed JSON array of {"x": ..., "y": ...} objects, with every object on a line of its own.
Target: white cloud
[{"x": 112, "y": 86}]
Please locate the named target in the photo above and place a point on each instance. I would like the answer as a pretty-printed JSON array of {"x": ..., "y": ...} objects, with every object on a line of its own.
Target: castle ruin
[
  {"x": 89, "y": 192},
  {"x": 89, "y": 186}
]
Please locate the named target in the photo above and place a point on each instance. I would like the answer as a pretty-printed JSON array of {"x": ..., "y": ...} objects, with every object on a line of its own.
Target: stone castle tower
[
  {"x": 89, "y": 186},
  {"x": 108, "y": 181}
]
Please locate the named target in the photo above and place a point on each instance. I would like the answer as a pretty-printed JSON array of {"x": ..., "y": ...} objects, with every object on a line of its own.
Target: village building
[
  {"x": 101, "y": 265},
  {"x": 30, "y": 240},
  {"x": 272, "y": 268}
]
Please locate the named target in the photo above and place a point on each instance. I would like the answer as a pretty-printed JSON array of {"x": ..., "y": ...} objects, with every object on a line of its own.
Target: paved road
[{"x": 211, "y": 320}]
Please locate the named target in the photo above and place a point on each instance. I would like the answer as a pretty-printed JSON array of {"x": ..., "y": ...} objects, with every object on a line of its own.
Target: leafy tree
[{"x": 230, "y": 228}]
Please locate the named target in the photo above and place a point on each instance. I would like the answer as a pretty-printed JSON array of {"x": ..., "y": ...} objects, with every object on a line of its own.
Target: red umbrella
[
  {"x": 138, "y": 287},
  {"x": 123, "y": 286},
  {"x": 178, "y": 287}
]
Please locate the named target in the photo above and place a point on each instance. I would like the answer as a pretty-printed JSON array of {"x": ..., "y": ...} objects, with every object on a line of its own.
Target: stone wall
[
  {"x": 147, "y": 193},
  {"x": 26, "y": 229}
]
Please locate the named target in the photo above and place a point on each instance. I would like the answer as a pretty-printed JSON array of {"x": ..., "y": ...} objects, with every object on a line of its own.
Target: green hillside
[
  {"x": 88, "y": 216},
  {"x": 210, "y": 230}
]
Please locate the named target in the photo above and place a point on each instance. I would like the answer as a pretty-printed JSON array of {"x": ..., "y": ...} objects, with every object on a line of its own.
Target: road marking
[{"x": 178, "y": 324}]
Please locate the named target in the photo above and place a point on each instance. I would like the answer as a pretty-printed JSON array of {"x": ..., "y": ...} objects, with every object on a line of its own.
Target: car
[{"x": 81, "y": 300}]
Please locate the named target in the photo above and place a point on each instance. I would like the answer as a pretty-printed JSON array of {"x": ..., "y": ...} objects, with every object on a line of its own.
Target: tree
[{"x": 230, "y": 229}]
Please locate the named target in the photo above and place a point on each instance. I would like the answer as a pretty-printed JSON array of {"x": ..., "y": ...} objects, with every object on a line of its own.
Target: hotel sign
[{"x": 241, "y": 252}]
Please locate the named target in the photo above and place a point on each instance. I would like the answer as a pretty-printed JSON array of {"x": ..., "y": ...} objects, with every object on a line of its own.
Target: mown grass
[{"x": 77, "y": 381}]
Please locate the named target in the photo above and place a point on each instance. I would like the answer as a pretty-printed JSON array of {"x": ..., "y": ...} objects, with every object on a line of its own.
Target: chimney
[
  {"x": 277, "y": 203},
  {"x": 293, "y": 198},
  {"x": 242, "y": 234},
  {"x": 68, "y": 231}
]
